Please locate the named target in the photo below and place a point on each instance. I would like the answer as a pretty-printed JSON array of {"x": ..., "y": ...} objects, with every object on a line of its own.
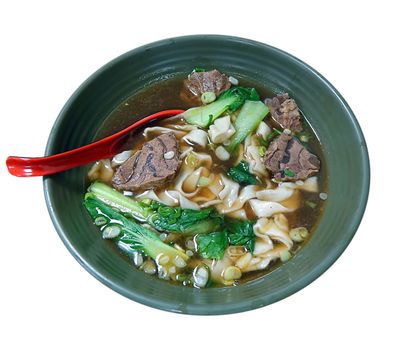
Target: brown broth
[{"x": 166, "y": 95}]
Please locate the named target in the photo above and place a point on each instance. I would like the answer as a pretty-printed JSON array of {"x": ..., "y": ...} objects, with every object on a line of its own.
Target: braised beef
[
  {"x": 285, "y": 112},
  {"x": 151, "y": 167},
  {"x": 288, "y": 160},
  {"x": 199, "y": 82}
]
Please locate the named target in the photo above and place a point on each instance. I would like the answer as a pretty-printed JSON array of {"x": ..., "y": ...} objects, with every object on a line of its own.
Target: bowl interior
[{"x": 343, "y": 147}]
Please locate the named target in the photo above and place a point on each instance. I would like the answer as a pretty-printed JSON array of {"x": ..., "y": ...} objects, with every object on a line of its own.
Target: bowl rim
[{"x": 238, "y": 306}]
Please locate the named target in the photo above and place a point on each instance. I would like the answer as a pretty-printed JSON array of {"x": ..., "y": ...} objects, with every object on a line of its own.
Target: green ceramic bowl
[{"x": 344, "y": 151}]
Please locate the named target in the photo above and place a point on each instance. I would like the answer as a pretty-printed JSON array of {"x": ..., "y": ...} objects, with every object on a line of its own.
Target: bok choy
[
  {"x": 248, "y": 119},
  {"x": 130, "y": 236},
  {"x": 159, "y": 216},
  {"x": 231, "y": 100}
]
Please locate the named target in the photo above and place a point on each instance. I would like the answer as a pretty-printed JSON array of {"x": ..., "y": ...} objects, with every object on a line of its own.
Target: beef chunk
[
  {"x": 151, "y": 167},
  {"x": 199, "y": 82},
  {"x": 288, "y": 160},
  {"x": 285, "y": 112}
]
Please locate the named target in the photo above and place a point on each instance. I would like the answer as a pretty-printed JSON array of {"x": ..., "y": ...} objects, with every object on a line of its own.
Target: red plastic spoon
[{"x": 105, "y": 148}]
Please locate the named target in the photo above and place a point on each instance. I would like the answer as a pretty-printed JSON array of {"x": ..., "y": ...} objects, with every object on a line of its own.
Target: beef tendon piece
[
  {"x": 288, "y": 160},
  {"x": 153, "y": 166},
  {"x": 199, "y": 82},
  {"x": 285, "y": 112}
]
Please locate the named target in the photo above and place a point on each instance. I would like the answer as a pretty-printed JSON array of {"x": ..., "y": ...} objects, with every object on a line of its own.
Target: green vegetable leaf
[
  {"x": 242, "y": 94},
  {"x": 289, "y": 173},
  {"x": 241, "y": 232},
  {"x": 212, "y": 245},
  {"x": 240, "y": 173},
  {"x": 186, "y": 221}
]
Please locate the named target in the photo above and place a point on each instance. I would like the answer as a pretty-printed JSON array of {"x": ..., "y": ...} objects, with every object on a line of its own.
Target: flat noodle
[
  {"x": 238, "y": 214},
  {"x": 210, "y": 203},
  {"x": 158, "y": 130},
  {"x": 184, "y": 127},
  {"x": 265, "y": 209},
  {"x": 205, "y": 194},
  {"x": 273, "y": 229},
  {"x": 170, "y": 198},
  {"x": 185, "y": 151},
  {"x": 229, "y": 194},
  {"x": 274, "y": 253},
  {"x": 221, "y": 130},
  {"x": 102, "y": 169},
  {"x": 204, "y": 159},
  {"x": 197, "y": 136},
  {"x": 218, "y": 267},
  {"x": 309, "y": 185},
  {"x": 277, "y": 194},
  {"x": 149, "y": 194},
  {"x": 162, "y": 197},
  {"x": 256, "y": 165},
  {"x": 240, "y": 154},
  {"x": 186, "y": 182},
  {"x": 187, "y": 204},
  {"x": 268, "y": 232},
  {"x": 216, "y": 185},
  {"x": 246, "y": 194},
  {"x": 262, "y": 247},
  {"x": 257, "y": 263},
  {"x": 263, "y": 130},
  {"x": 251, "y": 152}
]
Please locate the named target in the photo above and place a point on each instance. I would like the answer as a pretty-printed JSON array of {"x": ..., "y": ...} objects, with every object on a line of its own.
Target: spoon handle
[{"x": 104, "y": 148}]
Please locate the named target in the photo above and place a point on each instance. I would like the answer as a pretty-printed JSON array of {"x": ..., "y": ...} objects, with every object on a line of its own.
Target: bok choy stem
[{"x": 248, "y": 119}]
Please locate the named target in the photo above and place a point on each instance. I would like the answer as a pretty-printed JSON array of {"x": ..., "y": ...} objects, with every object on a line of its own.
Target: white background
[{"x": 49, "y": 301}]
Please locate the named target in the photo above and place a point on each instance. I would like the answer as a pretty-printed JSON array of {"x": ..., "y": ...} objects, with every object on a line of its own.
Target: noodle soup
[{"x": 216, "y": 196}]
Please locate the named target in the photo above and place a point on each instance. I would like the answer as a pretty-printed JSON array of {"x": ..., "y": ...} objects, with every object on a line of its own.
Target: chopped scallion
[
  {"x": 208, "y": 97},
  {"x": 203, "y": 181},
  {"x": 289, "y": 173},
  {"x": 311, "y": 204},
  {"x": 304, "y": 138}
]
